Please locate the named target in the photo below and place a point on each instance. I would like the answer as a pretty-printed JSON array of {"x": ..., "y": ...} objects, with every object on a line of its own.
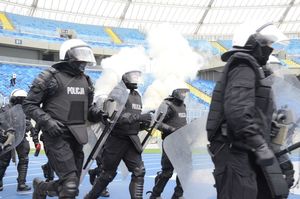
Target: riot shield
[
  {"x": 186, "y": 149},
  {"x": 286, "y": 89},
  {"x": 98, "y": 133},
  {"x": 159, "y": 115},
  {"x": 13, "y": 124}
]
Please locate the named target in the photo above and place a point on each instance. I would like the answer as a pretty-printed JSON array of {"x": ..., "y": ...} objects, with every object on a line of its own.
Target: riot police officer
[
  {"x": 175, "y": 118},
  {"x": 124, "y": 143},
  {"x": 240, "y": 117},
  {"x": 66, "y": 94},
  {"x": 17, "y": 97}
]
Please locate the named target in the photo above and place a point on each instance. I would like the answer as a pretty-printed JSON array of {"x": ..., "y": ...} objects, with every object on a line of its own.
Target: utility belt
[{"x": 218, "y": 146}]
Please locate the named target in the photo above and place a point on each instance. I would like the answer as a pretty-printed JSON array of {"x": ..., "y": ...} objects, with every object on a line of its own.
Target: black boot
[
  {"x": 178, "y": 191},
  {"x": 22, "y": 173},
  {"x": 105, "y": 193},
  {"x": 23, "y": 188},
  {"x": 161, "y": 181},
  {"x": 93, "y": 174},
  {"x": 3, "y": 166},
  {"x": 38, "y": 193},
  {"x": 98, "y": 187},
  {"x": 43, "y": 189}
]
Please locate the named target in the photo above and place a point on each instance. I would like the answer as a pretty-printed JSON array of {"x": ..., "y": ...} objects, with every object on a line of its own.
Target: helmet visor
[
  {"x": 133, "y": 77},
  {"x": 272, "y": 34},
  {"x": 83, "y": 54}
]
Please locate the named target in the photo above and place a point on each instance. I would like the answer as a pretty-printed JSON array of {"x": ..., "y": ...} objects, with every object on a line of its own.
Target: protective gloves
[
  {"x": 146, "y": 119},
  {"x": 53, "y": 128},
  {"x": 167, "y": 128},
  {"x": 264, "y": 155},
  {"x": 274, "y": 129}
]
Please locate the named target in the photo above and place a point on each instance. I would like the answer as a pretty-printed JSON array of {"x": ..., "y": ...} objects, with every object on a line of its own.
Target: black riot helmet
[
  {"x": 17, "y": 96},
  {"x": 132, "y": 79},
  {"x": 77, "y": 54},
  {"x": 180, "y": 94},
  {"x": 256, "y": 39}
]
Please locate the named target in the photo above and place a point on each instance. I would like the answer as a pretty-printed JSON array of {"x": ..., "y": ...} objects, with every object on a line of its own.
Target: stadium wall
[{"x": 19, "y": 53}]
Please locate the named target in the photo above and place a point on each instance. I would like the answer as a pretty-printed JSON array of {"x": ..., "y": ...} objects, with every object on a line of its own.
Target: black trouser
[
  {"x": 117, "y": 149},
  {"x": 22, "y": 150},
  {"x": 65, "y": 156},
  {"x": 163, "y": 177},
  {"x": 236, "y": 174}
]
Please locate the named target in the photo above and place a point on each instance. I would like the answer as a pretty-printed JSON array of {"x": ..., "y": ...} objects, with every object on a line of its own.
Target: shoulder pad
[{"x": 44, "y": 77}]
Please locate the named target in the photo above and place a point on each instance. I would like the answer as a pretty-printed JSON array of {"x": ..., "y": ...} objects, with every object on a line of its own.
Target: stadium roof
[{"x": 198, "y": 18}]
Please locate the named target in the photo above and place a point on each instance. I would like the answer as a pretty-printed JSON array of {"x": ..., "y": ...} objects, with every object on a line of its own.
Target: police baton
[
  {"x": 288, "y": 149},
  {"x": 149, "y": 132}
]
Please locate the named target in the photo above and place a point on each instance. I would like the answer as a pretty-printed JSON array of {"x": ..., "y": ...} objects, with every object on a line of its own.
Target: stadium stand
[
  {"x": 45, "y": 29},
  {"x": 293, "y": 47},
  {"x": 25, "y": 76},
  {"x": 50, "y": 27}
]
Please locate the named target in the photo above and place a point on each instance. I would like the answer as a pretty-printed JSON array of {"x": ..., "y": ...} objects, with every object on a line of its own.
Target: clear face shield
[
  {"x": 133, "y": 77},
  {"x": 82, "y": 54},
  {"x": 272, "y": 35}
]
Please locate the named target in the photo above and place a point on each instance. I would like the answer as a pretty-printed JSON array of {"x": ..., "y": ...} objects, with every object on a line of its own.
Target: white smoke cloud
[
  {"x": 169, "y": 58},
  {"x": 127, "y": 59},
  {"x": 172, "y": 62}
]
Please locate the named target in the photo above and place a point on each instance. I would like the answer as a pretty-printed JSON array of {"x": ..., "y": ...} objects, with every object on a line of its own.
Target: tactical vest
[
  {"x": 178, "y": 117},
  {"x": 133, "y": 106},
  {"x": 69, "y": 104},
  {"x": 263, "y": 99}
]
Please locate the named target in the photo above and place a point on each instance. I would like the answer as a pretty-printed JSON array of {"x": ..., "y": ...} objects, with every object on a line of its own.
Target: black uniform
[
  {"x": 123, "y": 144},
  {"x": 174, "y": 119},
  {"x": 65, "y": 96},
  {"x": 239, "y": 122},
  {"x": 22, "y": 150}
]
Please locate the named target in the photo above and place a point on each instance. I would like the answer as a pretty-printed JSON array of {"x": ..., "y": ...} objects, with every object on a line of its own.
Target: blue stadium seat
[
  {"x": 130, "y": 35},
  {"x": 203, "y": 45},
  {"x": 293, "y": 47},
  {"x": 226, "y": 43},
  {"x": 36, "y": 25},
  {"x": 205, "y": 86},
  {"x": 25, "y": 76}
]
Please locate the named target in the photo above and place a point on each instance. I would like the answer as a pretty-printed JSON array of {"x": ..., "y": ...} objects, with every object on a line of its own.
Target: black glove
[
  {"x": 288, "y": 171},
  {"x": 264, "y": 155},
  {"x": 165, "y": 128},
  {"x": 53, "y": 128},
  {"x": 274, "y": 129},
  {"x": 145, "y": 118},
  {"x": 28, "y": 125}
]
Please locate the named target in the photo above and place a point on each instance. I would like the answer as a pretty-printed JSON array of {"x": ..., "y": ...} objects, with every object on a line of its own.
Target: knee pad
[
  {"x": 139, "y": 171},
  {"x": 69, "y": 187},
  {"x": 107, "y": 176}
]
